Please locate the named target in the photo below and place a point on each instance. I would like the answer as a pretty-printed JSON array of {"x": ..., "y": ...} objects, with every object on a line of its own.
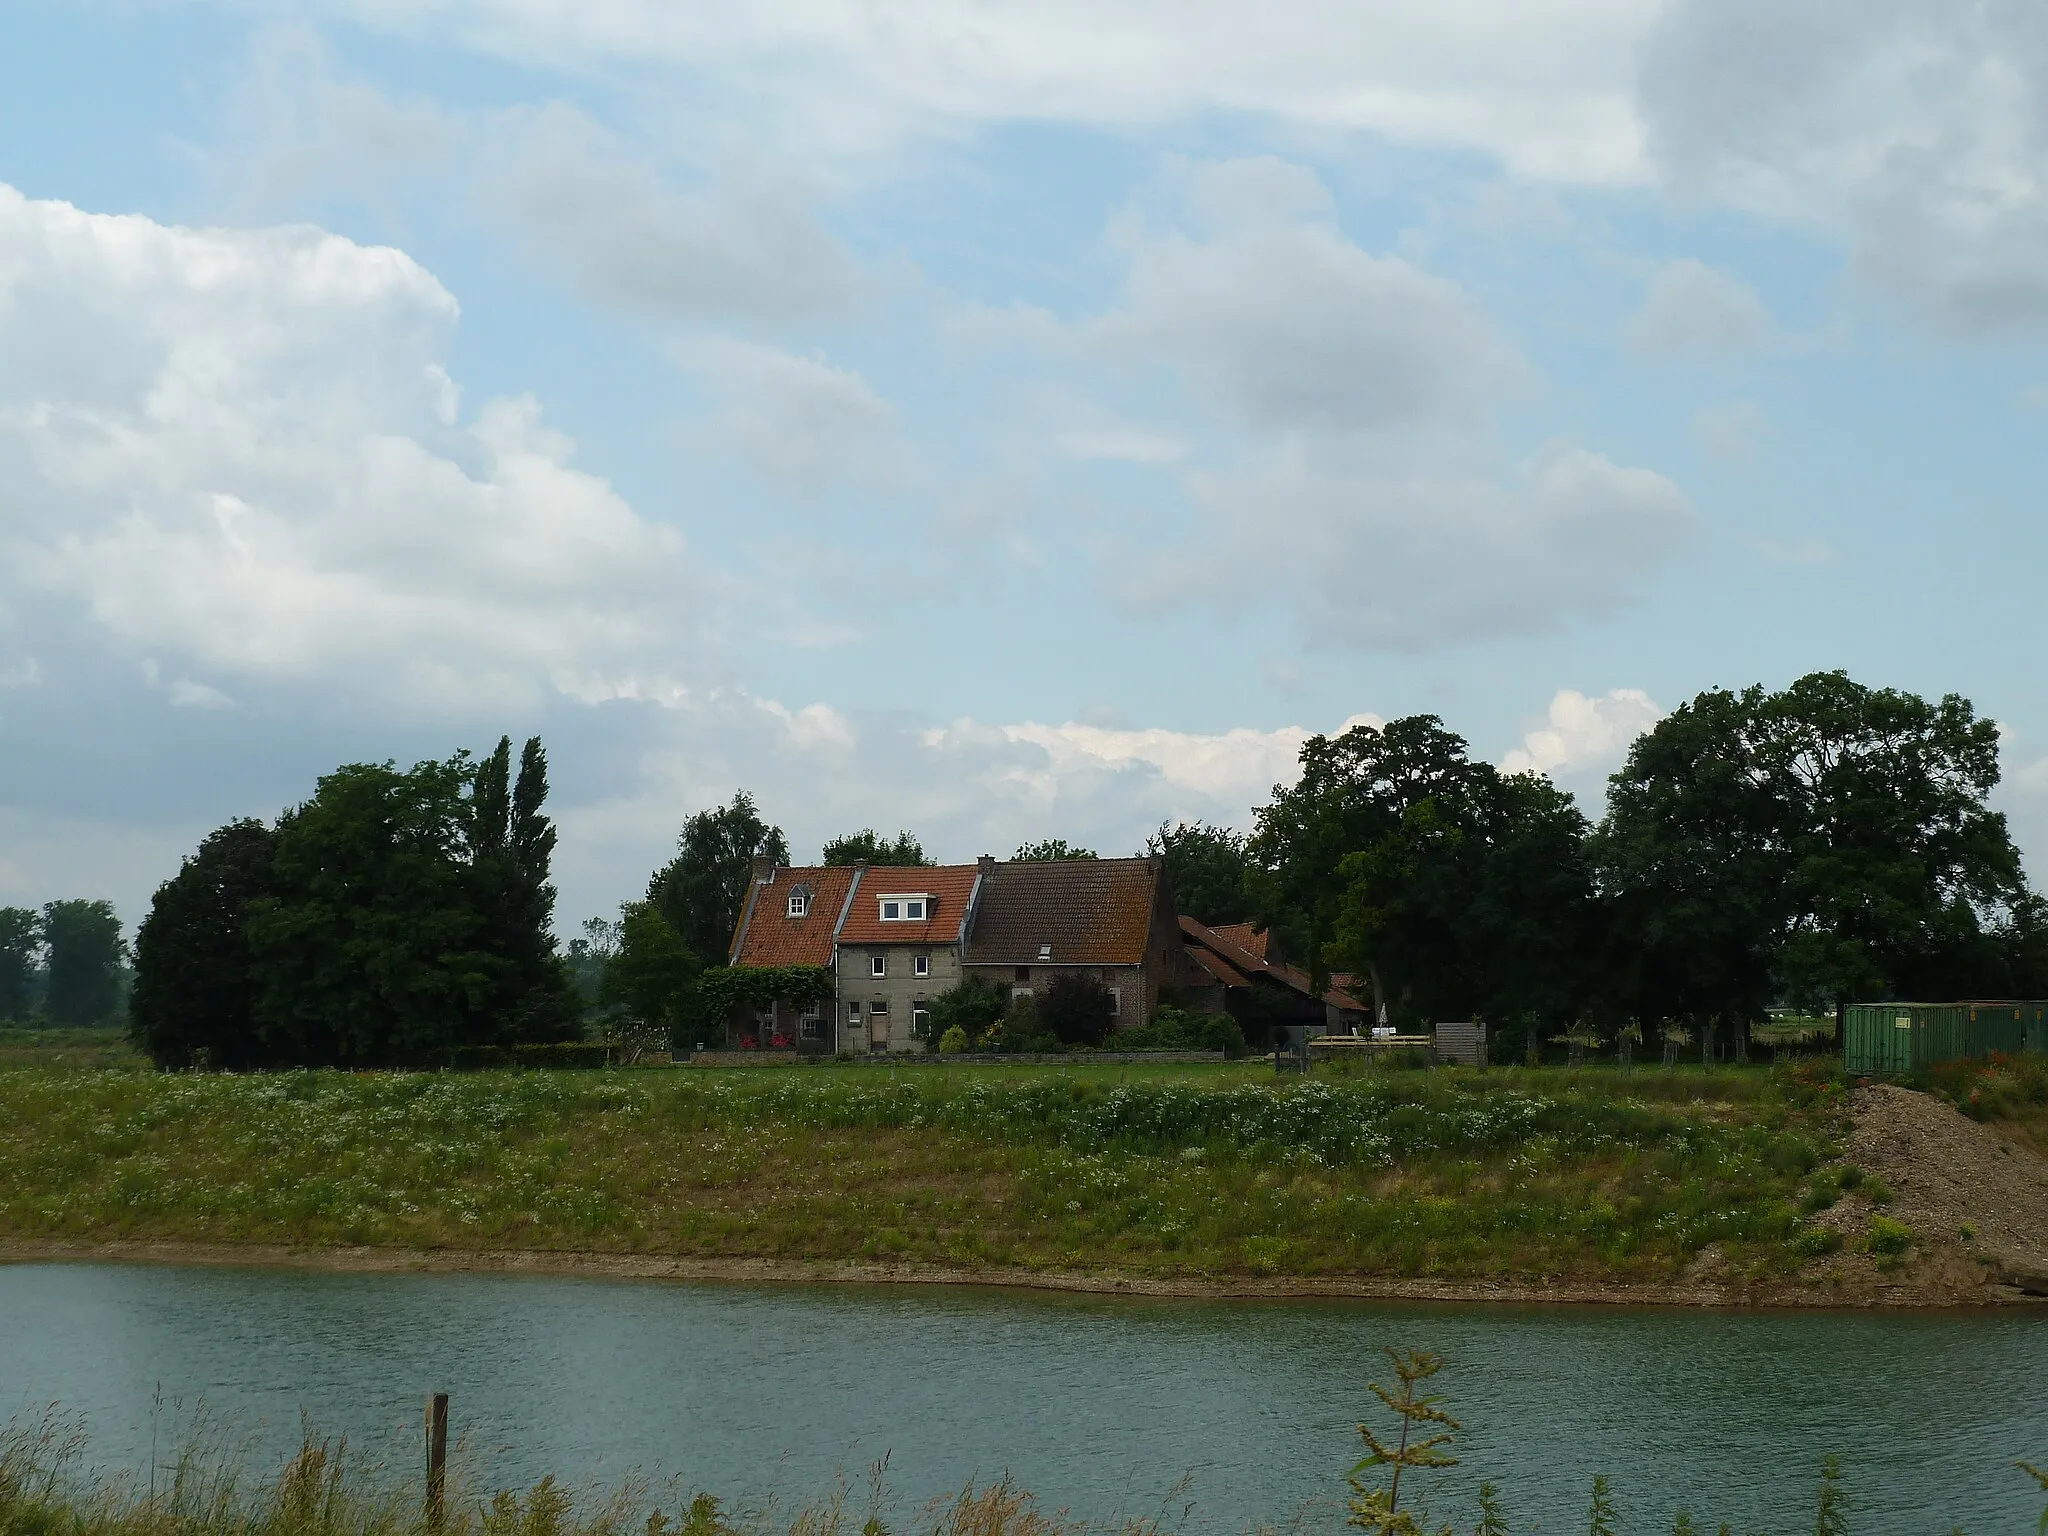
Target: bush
[
  {"x": 1077, "y": 1008},
  {"x": 971, "y": 1007},
  {"x": 1888, "y": 1239},
  {"x": 1815, "y": 1241},
  {"x": 1177, "y": 1029},
  {"x": 953, "y": 1042}
]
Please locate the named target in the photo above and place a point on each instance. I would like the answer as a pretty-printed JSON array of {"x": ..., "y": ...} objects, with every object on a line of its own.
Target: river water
[{"x": 1099, "y": 1405}]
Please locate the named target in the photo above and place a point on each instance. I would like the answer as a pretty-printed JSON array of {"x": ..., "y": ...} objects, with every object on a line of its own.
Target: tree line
[
  {"x": 1808, "y": 847},
  {"x": 63, "y": 964},
  {"x": 395, "y": 918}
]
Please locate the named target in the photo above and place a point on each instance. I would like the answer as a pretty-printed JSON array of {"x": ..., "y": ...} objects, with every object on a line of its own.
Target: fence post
[{"x": 437, "y": 1458}]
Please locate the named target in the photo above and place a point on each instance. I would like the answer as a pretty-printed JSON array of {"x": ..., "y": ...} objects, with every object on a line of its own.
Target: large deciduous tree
[
  {"x": 1051, "y": 850},
  {"x": 1825, "y": 842},
  {"x": 21, "y": 943},
  {"x": 393, "y": 919},
  {"x": 1477, "y": 904},
  {"x": 1353, "y": 794},
  {"x": 85, "y": 951},
  {"x": 651, "y": 973},
  {"x": 1205, "y": 867},
  {"x": 701, "y": 890},
  {"x": 195, "y": 987},
  {"x": 867, "y": 847}
]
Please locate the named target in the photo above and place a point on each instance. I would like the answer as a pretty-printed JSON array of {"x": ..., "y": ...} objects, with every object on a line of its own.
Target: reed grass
[{"x": 1431, "y": 1174}]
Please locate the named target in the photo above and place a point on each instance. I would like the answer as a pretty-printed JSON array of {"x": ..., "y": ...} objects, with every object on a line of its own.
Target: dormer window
[
  {"x": 800, "y": 901},
  {"x": 905, "y": 909}
]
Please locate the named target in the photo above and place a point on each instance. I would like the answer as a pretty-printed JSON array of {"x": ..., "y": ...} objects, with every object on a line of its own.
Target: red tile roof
[
  {"x": 1089, "y": 911},
  {"x": 768, "y": 935},
  {"x": 949, "y": 888}
]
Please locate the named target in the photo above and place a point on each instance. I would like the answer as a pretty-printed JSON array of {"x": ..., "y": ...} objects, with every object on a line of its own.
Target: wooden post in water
[{"x": 437, "y": 1458}]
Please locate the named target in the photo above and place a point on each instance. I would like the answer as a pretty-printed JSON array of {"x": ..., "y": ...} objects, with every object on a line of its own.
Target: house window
[
  {"x": 921, "y": 966},
  {"x": 878, "y": 965},
  {"x": 905, "y": 909},
  {"x": 811, "y": 1027},
  {"x": 1116, "y": 1002},
  {"x": 799, "y": 904},
  {"x": 1045, "y": 951},
  {"x": 853, "y": 1014},
  {"x": 913, "y": 911},
  {"x": 920, "y": 1021},
  {"x": 1023, "y": 973},
  {"x": 892, "y": 911}
]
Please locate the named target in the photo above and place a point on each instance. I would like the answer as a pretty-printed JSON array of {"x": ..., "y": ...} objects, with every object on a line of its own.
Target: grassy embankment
[{"x": 1166, "y": 1172}]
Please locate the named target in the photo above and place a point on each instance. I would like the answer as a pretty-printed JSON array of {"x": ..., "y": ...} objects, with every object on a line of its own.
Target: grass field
[{"x": 1169, "y": 1171}]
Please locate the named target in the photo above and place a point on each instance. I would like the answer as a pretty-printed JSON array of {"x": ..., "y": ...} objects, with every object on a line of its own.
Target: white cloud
[
  {"x": 186, "y": 694},
  {"x": 1274, "y": 314},
  {"x": 233, "y": 447},
  {"x": 581, "y": 202},
  {"x": 795, "y": 419},
  {"x": 1367, "y": 484},
  {"x": 1733, "y": 431},
  {"x": 1918, "y": 127},
  {"x": 1584, "y": 738},
  {"x": 1544, "y": 84},
  {"x": 1692, "y": 308},
  {"x": 1232, "y": 766}
]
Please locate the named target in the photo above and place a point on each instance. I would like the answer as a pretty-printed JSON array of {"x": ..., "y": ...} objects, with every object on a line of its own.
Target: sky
[{"x": 1000, "y": 420}]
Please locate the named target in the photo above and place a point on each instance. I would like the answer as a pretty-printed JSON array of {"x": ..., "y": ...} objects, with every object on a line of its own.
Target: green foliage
[
  {"x": 654, "y": 972},
  {"x": 972, "y": 1006},
  {"x": 702, "y": 889},
  {"x": 1176, "y": 1029},
  {"x": 1814, "y": 1242},
  {"x": 722, "y": 991},
  {"x": 1888, "y": 1238},
  {"x": 1051, "y": 850},
  {"x": 21, "y": 943},
  {"x": 1830, "y": 841},
  {"x": 953, "y": 1041},
  {"x": 589, "y": 956},
  {"x": 1378, "y": 1510},
  {"x": 1206, "y": 868},
  {"x": 1600, "y": 1521},
  {"x": 1832, "y": 1517},
  {"x": 84, "y": 954},
  {"x": 1076, "y": 1008},
  {"x": 865, "y": 847},
  {"x": 1491, "y": 1521},
  {"x": 194, "y": 1002},
  {"x": 1876, "y": 1191},
  {"x": 392, "y": 918}
]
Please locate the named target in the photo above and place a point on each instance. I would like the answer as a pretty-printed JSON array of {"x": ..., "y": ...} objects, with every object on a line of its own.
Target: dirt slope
[{"x": 1949, "y": 1176}]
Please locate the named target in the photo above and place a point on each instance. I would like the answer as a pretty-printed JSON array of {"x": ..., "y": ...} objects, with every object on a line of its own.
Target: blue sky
[{"x": 1003, "y": 420}]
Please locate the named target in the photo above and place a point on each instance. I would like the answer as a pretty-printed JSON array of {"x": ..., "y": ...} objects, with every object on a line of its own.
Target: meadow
[{"x": 1170, "y": 1171}]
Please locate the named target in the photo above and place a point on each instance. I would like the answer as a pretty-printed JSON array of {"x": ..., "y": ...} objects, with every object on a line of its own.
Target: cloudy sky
[{"x": 997, "y": 419}]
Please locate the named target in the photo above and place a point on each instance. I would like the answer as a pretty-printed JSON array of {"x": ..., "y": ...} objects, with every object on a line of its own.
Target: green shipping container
[{"x": 1898, "y": 1038}]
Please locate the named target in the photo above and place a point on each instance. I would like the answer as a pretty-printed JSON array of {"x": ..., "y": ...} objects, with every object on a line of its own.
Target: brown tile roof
[
  {"x": 1226, "y": 943},
  {"x": 768, "y": 935},
  {"x": 1217, "y": 967},
  {"x": 1091, "y": 911},
  {"x": 950, "y": 887},
  {"x": 1244, "y": 936}
]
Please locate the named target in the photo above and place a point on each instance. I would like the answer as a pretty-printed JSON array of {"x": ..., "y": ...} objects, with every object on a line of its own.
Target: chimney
[
  {"x": 764, "y": 869},
  {"x": 986, "y": 864}
]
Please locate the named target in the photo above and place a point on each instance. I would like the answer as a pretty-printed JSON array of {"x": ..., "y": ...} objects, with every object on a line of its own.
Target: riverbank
[{"x": 1652, "y": 1187}]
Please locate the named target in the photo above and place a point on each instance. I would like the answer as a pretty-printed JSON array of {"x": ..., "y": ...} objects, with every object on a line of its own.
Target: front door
[{"x": 878, "y": 1030}]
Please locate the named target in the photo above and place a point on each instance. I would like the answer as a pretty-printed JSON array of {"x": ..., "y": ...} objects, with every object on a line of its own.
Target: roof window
[
  {"x": 903, "y": 908},
  {"x": 1045, "y": 951}
]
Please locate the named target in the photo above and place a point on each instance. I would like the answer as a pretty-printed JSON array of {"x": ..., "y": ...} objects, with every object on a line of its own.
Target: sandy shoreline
[{"x": 634, "y": 1266}]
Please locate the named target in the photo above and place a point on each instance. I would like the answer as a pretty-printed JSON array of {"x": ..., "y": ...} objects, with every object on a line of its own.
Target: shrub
[
  {"x": 1815, "y": 1241},
  {"x": 1178, "y": 1029},
  {"x": 953, "y": 1042},
  {"x": 971, "y": 1007},
  {"x": 1888, "y": 1239},
  {"x": 1077, "y": 1008},
  {"x": 1876, "y": 1191}
]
